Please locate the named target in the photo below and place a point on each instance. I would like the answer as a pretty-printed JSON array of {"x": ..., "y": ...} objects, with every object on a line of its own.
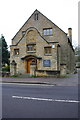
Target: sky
[{"x": 14, "y": 13}]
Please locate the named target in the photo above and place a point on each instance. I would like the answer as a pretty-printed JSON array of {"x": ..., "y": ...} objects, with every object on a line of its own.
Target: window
[
  {"x": 23, "y": 33},
  {"x": 33, "y": 62},
  {"x": 16, "y": 51},
  {"x": 47, "y": 31},
  {"x": 36, "y": 16},
  {"x": 47, "y": 50},
  {"x": 31, "y": 47}
]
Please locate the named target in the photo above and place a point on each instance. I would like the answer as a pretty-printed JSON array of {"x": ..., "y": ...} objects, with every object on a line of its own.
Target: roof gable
[{"x": 36, "y": 11}]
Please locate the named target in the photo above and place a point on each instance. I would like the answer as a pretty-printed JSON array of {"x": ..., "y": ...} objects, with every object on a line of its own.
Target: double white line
[{"x": 45, "y": 99}]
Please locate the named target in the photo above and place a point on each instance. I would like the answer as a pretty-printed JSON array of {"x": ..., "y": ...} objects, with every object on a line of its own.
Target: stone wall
[{"x": 34, "y": 34}]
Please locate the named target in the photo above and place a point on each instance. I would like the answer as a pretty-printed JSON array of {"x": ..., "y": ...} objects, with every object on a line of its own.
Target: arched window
[{"x": 33, "y": 62}]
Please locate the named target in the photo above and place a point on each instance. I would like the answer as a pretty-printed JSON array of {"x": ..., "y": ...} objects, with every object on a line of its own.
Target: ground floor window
[{"x": 16, "y": 51}]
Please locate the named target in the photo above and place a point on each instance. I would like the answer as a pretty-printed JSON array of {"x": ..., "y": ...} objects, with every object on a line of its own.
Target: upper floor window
[
  {"x": 47, "y": 50},
  {"x": 36, "y": 16},
  {"x": 31, "y": 47},
  {"x": 47, "y": 31},
  {"x": 23, "y": 33},
  {"x": 16, "y": 51}
]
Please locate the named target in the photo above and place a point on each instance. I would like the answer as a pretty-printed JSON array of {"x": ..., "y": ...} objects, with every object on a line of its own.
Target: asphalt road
[{"x": 38, "y": 101}]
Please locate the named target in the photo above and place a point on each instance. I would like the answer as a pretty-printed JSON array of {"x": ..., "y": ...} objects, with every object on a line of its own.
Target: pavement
[
  {"x": 70, "y": 80},
  {"x": 37, "y": 101}
]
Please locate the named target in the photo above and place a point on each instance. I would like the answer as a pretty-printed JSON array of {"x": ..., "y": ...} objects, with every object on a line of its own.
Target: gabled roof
[
  {"x": 42, "y": 15},
  {"x": 50, "y": 21}
]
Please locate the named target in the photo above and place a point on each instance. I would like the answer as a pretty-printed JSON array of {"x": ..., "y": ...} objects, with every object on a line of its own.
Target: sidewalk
[{"x": 71, "y": 80}]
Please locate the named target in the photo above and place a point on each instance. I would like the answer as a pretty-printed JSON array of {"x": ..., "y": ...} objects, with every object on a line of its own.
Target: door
[
  {"x": 28, "y": 65},
  {"x": 31, "y": 62}
]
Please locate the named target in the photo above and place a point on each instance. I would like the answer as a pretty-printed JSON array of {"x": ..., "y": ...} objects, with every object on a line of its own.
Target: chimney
[{"x": 70, "y": 34}]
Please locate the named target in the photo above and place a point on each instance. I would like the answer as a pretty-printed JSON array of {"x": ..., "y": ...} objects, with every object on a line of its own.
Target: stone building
[{"x": 41, "y": 48}]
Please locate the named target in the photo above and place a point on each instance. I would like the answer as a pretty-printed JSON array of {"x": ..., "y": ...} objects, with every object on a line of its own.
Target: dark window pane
[
  {"x": 16, "y": 51},
  {"x": 47, "y": 50},
  {"x": 31, "y": 47},
  {"x": 23, "y": 33},
  {"x": 36, "y": 16}
]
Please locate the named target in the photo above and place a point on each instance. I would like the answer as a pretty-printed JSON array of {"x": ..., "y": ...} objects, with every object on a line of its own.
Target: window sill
[
  {"x": 47, "y": 35},
  {"x": 31, "y": 51},
  {"x": 16, "y": 55},
  {"x": 48, "y": 54}
]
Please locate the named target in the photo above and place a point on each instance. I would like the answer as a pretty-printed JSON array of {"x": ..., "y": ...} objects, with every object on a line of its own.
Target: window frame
[
  {"x": 47, "y": 31},
  {"x": 31, "y": 46},
  {"x": 49, "y": 53},
  {"x": 16, "y": 51},
  {"x": 36, "y": 16},
  {"x": 23, "y": 33}
]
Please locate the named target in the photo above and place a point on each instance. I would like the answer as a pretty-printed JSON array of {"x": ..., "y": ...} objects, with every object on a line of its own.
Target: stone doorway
[{"x": 31, "y": 65}]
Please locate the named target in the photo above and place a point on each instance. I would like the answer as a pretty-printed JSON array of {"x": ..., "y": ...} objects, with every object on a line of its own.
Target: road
[{"x": 39, "y": 101}]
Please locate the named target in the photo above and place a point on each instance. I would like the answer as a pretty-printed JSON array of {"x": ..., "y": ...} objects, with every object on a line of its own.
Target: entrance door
[{"x": 28, "y": 65}]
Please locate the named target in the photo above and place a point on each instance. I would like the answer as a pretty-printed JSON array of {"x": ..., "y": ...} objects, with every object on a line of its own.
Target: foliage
[
  {"x": 33, "y": 76},
  {"x": 6, "y": 68},
  {"x": 14, "y": 75},
  {"x": 77, "y": 50},
  {"x": 4, "y": 51}
]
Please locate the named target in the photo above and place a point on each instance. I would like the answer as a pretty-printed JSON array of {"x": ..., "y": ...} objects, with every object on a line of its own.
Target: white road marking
[{"x": 45, "y": 99}]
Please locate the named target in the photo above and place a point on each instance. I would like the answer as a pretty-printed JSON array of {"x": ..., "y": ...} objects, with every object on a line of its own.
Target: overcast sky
[{"x": 14, "y": 13}]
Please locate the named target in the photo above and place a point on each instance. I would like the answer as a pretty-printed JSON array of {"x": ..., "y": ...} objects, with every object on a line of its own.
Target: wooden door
[{"x": 28, "y": 65}]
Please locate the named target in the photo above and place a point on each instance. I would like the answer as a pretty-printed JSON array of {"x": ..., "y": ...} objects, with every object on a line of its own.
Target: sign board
[
  {"x": 53, "y": 46},
  {"x": 46, "y": 63}
]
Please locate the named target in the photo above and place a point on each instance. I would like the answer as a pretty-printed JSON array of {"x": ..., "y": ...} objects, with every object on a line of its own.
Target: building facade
[{"x": 41, "y": 48}]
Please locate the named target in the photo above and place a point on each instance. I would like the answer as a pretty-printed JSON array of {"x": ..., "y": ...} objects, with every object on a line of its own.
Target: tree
[
  {"x": 77, "y": 50},
  {"x": 4, "y": 51},
  {"x": 0, "y": 56}
]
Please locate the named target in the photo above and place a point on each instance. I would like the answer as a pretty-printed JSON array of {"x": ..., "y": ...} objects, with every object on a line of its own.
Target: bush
[
  {"x": 6, "y": 69},
  {"x": 33, "y": 76},
  {"x": 14, "y": 75},
  {"x": 78, "y": 65}
]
